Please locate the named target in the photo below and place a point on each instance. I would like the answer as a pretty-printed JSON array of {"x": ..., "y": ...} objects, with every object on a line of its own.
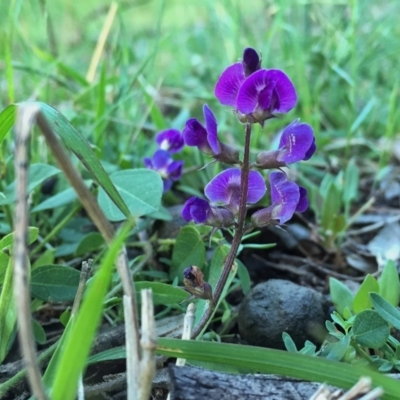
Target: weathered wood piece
[{"x": 189, "y": 383}]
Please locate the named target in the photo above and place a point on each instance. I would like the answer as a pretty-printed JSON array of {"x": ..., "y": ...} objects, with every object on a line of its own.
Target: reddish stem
[{"x": 237, "y": 238}]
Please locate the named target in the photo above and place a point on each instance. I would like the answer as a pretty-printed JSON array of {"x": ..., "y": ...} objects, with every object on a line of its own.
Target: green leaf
[
  {"x": 189, "y": 250},
  {"x": 389, "y": 285},
  {"x": 37, "y": 174},
  {"x": 338, "y": 350},
  {"x": 77, "y": 343},
  {"x": 91, "y": 242},
  {"x": 162, "y": 293},
  {"x": 38, "y": 332},
  {"x": 244, "y": 277},
  {"x": 4, "y": 260},
  {"x": 111, "y": 354},
  {"x": 54, "y": 283},
  {"x": 370, "y": 329},
  {"x": 45, "y": 258},
  {"x": 7, "y": 120},
  {"x": 8, "y": 240},
  {"x": 141, "y": 190},
  {"x": 65, "y": 316},
  {"x": 331, "y": 207},
  {"x": 80, "y": 146},
  {"x": 289, "y": 343},
  {"x": 60, "y": 199},
  {"x": 386, "y": 310},
  {"x": 270, "y": 361},
  {"x": 8, "y": 312},
  {"x": 341, "y": 295},
  {"x": 362, "y": 301},
  {"x": 350, "y": 187}
]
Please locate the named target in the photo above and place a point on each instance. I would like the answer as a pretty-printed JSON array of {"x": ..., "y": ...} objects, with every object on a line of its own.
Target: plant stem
[{"x": 237, "y": 238}]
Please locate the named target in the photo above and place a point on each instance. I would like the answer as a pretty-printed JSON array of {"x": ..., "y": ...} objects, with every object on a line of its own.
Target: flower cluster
[
  {"x": 255, "y": 94},
  {"x": 169, "y": 141}
]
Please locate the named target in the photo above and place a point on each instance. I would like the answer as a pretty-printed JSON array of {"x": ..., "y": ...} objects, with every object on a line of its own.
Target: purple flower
[
  {"x": 201, "y": 212},
  {"x": 257, "y": 96},
  {"x": 225, "y": 188},
  {"x": 297, "y": 143},
  {"x": 163, "y": 163},
  {"x": 286, "y": 198},
  {"x": 206, "y": 138},
  {"x": 170, "y": 140},
  {"x": 251, "y": 61}
]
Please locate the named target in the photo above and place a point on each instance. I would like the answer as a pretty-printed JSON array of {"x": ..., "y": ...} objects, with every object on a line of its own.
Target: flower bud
[{"x": 195, "y": 284}]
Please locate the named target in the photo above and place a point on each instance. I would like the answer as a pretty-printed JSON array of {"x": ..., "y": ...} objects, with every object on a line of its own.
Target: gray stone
[{"x": 277, "y": 306}]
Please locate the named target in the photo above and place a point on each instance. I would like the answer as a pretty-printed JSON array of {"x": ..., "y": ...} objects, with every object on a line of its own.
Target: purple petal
[
  {"x": 167, "y": 184},
  {"x": 295, "y": 143},
  {"x": 161, "y": 159},
  {"x": 170, "y": 140},
  {"x": 212, "y": 129},
  {"x": 228, "y": 84},
  {"x": 257, "y": 187},
  {"x": 310, "y": 151},
  {"x": 225, "y": 187},
  {"x": 196, "y": 210},
  {"x": 285, "y": 196},
  {"x": 148, "y": 163},
  {"x": 174, "y": 170},
  {"x": 284, "y": 89},
  {"x": 302, "y": 205},
  {"x": 194, "y": 134},
  {"x": 270, "y": 90},
  {"x": 220, "y": 188},
  {"x": 251, "y": 61}
]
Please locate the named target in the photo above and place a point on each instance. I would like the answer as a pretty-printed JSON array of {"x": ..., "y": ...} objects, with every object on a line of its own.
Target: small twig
[
  {"x": 237, "y": 238},
  {"x": 148, "y": 344},
  {"x": 25, "y": 120},
  {"x": 132, "y": 353},
  {"x": 363, "y": 386},
  {"x": 27, "y": 114},
  {"x": 187, "y": 329},
  {"x": 85, "y": 271}
]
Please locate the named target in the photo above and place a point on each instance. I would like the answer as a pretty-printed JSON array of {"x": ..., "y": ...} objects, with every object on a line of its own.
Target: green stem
[
  {"x": 56, "y": 229},
  {"x": 237, "y": 238},
  {"x": 362, "y": 352}
]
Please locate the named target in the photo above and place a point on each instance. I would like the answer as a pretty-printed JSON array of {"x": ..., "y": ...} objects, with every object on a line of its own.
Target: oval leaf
[
  {"x": 362, "y": 301},
  {"x": 89, "y": 243},
  {"x": 342, "y": 296},
  {"x": 37, "y": 174},
  {"x": 386, "y": 310},
  {"x": 8, "y": 240},
  {"x": 189, "y": 250},
  {"x": 389, "y": 285},
  {"x": 370, "y": 329},
  {"x": 162, "y": 293},
  {"x": 54, "y": 283},
  {"x": 141, "y": 190}
]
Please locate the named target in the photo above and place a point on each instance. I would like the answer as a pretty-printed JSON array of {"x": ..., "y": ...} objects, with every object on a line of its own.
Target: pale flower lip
[{"x": 170, "y": 140}]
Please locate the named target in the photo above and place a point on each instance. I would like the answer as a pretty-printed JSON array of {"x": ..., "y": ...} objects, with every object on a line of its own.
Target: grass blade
[{"x": 270, "y": 361}]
